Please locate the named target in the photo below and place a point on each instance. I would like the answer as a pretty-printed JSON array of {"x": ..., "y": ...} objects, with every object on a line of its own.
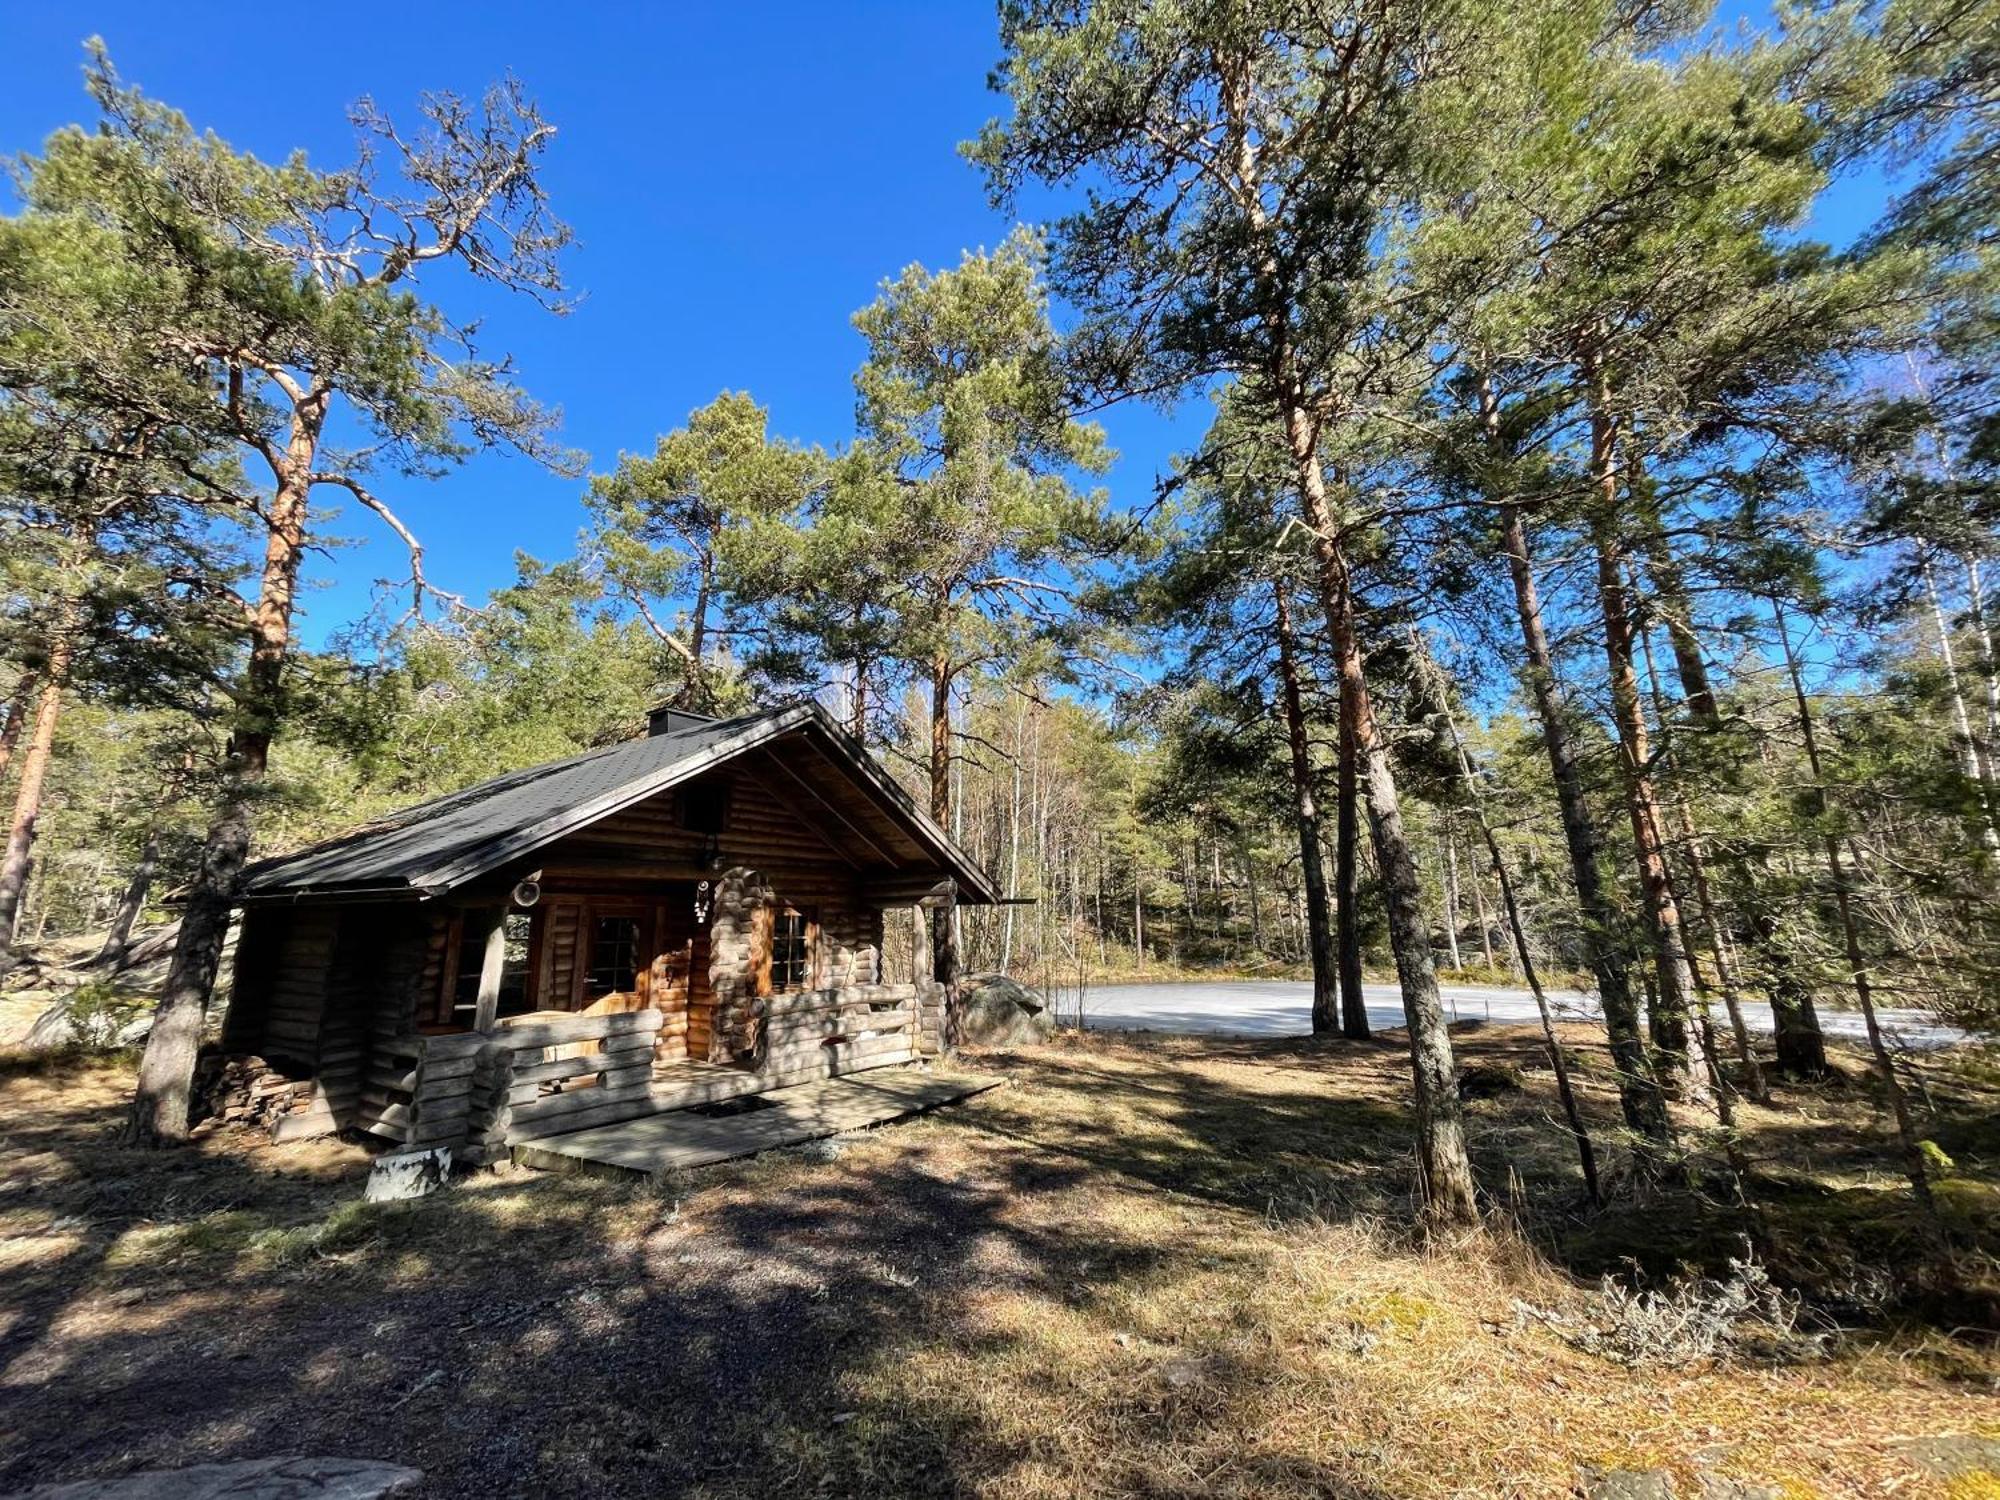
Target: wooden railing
[
  {"x": 479, "y": 1093},
  {"x": 525, "y": 1094},
  {"x": 824, "y": 1032}
]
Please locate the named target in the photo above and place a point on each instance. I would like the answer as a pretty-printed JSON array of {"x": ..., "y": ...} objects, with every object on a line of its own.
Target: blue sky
[{"x": 740, "y": 178}]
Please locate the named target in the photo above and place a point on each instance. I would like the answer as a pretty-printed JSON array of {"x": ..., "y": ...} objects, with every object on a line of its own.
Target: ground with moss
[{"x": 1145, "y": 1267}]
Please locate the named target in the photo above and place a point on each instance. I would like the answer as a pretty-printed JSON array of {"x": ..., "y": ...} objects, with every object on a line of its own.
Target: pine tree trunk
[
  {"x": 945, "y": 930},
  {"x": 1674, "y": 1011},
  {"x": 694, "y": 694},
  {"x": 1347, "y": 882},
  {"x": 1989, "y": 673},
  {"x": 857, "y": 704},
  {"x": 1013, "y": 849},
  {"x": 1565, "y": 1091},
  {"x": 1484, "y": 919},
  {"x": 1801, "y": 1046},
  {"x": 118, "y": 940},
  {"x": 1694, "y": 858},
  {"x": 166, "y": 1070},
  {"x": 1312, "y": 861},
  {"x": 1975, "y": 767},
  {"x": 1638, "y": 1090},
  {"x": 1451, "y": 897},
  {"x": 1850, "y": 930},
  {"x": 1256, "y": 908},
  {"x": 25, "y": 692},
  {"x": 35, "y": 761},
  {"x": 1445, "y": 1168}
]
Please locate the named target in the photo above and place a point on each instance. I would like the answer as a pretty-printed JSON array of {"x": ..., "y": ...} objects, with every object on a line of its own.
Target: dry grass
[{"x": 1163, "y": 1268}]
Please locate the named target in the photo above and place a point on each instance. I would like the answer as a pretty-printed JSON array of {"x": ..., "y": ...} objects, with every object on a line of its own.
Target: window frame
[
  {"x": 808, "y": 956},
  {"x": 445, "y": 1009},
  {"x": 587, "y": 965}
]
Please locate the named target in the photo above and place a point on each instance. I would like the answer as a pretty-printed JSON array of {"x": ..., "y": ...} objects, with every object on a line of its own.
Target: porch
[
  {"x": 551, "y": 1073},
  {"x": 684, "y": 1138}
]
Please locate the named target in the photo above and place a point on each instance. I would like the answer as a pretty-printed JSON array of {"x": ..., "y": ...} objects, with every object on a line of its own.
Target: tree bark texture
[
  {"x": 1312, "y": 862},
  {"x": 1801, "y": 1047},
  {"x": 166, "y": 1071},
  {"x": 35, "y": 761},
  {"x": 1444, "y": 1164},
  {"x": 1638, "y": 1089},
  {"x": 1347, "y": 882},
  {"x": 1675, "y": 998},
  {"x": 118, "y": 940}
]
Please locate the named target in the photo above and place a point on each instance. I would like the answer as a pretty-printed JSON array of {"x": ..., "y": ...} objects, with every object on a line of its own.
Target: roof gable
[{"x": 437, "y": 846}]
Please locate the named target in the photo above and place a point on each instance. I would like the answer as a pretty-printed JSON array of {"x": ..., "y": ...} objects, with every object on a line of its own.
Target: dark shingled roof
[{"x": 436, "y": 845}]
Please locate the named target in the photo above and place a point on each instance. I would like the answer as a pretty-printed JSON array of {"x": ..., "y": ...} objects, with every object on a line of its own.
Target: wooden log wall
[
  {"x": 763, "y": 824},
  {"x": 317, "y": 991},
  {"x": 930, "y": 1017},
  {"x": 541, "y": 1075},
  {"x": 295, "y": 1000},
  {"x": 667, "y": 992},
  {"x": 399, "y": 988}
]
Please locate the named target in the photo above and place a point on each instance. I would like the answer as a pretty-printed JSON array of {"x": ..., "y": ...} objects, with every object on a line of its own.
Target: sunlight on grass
[{"x": 1201, "y": 1257}]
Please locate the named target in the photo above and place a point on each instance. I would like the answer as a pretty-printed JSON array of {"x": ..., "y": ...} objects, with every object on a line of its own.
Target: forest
[
  {"x": 1579, "y": 580},
  {"x": 1565, "y": 578}
]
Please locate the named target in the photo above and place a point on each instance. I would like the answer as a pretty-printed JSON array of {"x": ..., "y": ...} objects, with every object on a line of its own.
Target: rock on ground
[
  {"x": 1658, "y": 1484},
  {"x": 995, "y": 1011},
  {"x": 1956, "y": 1455},
  {"x": 251, "y": 1479},
  {"x": 408, "y": 1174}
]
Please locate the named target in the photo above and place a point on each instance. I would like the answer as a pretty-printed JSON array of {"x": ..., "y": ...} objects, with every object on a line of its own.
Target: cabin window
[
  {"x": 614, "y": 957},
  {"x": 704, "y": 809},
  {"x": 791, "y": 949},
  {"x": 514, "y": 999}
]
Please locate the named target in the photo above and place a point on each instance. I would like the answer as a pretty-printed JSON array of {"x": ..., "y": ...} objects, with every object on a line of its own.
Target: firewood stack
[{"x": 239, "y": 1089}]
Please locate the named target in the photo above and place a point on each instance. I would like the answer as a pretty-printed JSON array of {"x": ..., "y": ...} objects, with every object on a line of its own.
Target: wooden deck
[{"x": 785, "y": 1117}]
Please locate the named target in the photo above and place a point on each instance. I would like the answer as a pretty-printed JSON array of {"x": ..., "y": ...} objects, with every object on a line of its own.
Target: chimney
[{"x": 666, "y": 720}]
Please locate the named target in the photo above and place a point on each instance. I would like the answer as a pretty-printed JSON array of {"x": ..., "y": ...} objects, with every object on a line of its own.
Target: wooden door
[{"x": 616, "y": 950}]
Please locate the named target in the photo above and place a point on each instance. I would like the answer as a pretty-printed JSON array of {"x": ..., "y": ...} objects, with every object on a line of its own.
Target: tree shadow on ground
[
  {"x": 801, "y": 1324},
  {"x": 529, "y": 1335}
]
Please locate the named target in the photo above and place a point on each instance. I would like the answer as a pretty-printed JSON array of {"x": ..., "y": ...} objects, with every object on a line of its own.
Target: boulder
[
  {"x": 1629, "y": 1484},
  {"x": 91, "y": 1018},
  {"x": 1955, "y": 1455},
  {"x": 995, "y": 1011},
  {"x": 252, "y": 1479}
]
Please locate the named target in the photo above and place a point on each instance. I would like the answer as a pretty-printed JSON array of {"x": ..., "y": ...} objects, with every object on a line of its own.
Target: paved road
[{"x": 1284, "y": 1008}]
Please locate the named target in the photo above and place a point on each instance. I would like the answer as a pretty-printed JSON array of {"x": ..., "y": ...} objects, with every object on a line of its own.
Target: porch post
[
  {"x": 492, "y": 963},
  {"x": 944, "y": 963}
]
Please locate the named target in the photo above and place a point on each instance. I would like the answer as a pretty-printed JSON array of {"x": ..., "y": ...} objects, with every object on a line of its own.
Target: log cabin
[{"x": 663, "y": 924}]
